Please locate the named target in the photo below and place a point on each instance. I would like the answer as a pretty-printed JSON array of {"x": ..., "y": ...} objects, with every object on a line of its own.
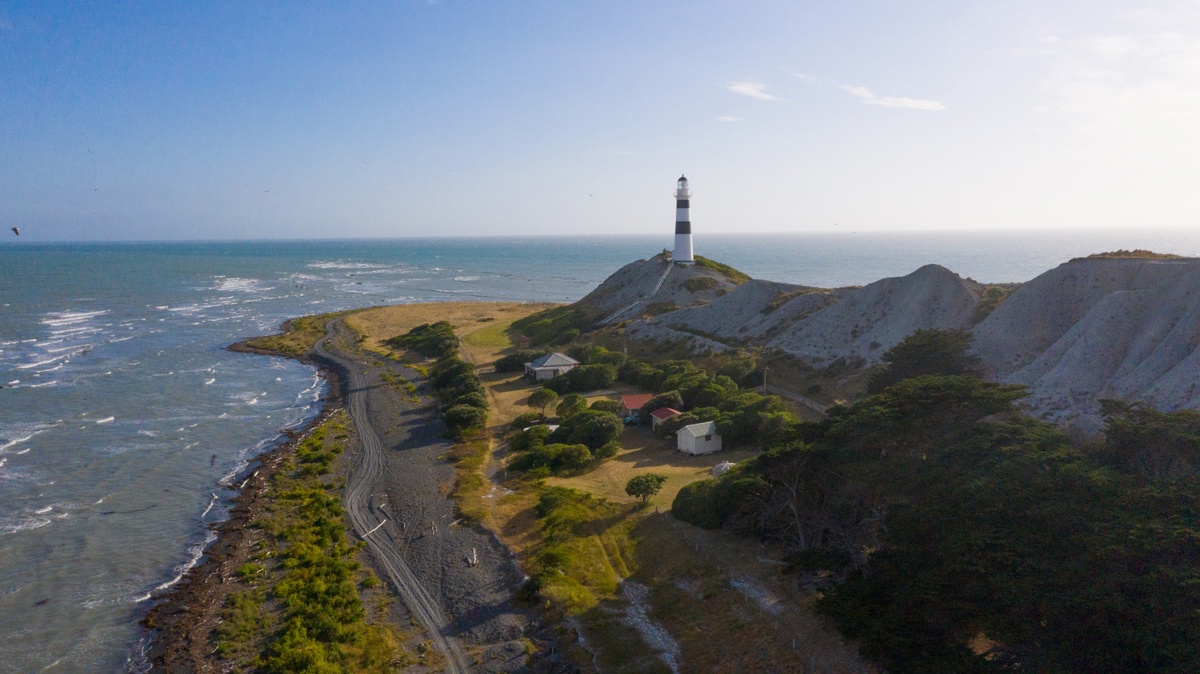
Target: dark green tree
[
  {"x": 570, "y": 406},
  {"x": 926, "y": 352},
  {"x": 1156, "y": 445},
  {"x": 589, "y": 427},
  {"x": 645, "y": 485},
  {"x": 540, "y": 399},
  {"x": 605, "y": 405}
]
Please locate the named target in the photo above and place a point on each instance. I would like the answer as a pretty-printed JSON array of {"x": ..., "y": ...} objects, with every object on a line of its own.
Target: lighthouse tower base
[{"x": 683, "y": 250}]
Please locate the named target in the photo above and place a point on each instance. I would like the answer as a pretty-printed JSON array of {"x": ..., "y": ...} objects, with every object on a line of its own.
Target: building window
[{"x": 707, "y": 438}]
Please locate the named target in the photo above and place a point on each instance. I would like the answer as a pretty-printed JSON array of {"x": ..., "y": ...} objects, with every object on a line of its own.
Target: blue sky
[{"x": 262, "y": 120}]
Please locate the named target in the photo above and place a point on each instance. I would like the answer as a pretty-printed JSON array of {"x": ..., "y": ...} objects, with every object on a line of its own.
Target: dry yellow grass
[
  {"x": 383, "y": 323},
  {"x": 643, "y": 453}
]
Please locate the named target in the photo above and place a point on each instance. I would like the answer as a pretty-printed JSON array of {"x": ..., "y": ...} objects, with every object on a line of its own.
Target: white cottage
[
  {"x": 550, "y": 366},
  {"x": 699, "y": 438}
]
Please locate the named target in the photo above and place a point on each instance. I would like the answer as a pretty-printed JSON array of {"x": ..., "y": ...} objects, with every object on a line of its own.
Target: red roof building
[
  {"x": 634, "y": 403},
  {"x": 662, "y": 414}
]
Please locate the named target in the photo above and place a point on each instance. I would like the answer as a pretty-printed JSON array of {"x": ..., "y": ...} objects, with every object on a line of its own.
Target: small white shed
[{"x": 699, "y": 438}]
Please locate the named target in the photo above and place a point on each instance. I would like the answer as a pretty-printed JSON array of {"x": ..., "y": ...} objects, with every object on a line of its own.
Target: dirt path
[{"x": 394, "y": 498}]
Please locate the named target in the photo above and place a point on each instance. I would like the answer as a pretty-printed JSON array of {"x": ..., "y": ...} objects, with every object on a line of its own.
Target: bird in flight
[{"x": 16, "y": 231}]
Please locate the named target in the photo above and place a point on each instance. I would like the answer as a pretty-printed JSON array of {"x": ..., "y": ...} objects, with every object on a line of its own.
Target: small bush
[
  {"x": 570, "y": 406},
  {"x": 461, "y": 419},
  {"x": 700, "y": 283},
  {"x": 698, "y": 503},
  {"x": 525, "y": 420},
  {"x": 515, "y": 361},
  {"x": 611, "y": 406}
]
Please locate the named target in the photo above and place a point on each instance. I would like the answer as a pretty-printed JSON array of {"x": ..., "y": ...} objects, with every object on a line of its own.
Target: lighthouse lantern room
[{"x": 683, "y": 224}]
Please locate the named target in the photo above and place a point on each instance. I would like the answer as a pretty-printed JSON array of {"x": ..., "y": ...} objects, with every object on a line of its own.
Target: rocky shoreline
[{"x": 181, "y": 619}]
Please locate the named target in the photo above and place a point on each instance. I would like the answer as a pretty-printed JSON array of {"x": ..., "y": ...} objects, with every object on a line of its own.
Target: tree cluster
[
  {"x": 926, "y": 352},
  {"x": 583, "y": 378},
  {"x": 952, "y": 515},
  {"x": 743, "y": 417},
  {"x": 542, "y": 452},
  {"x": 463, "y": 398},
  {"x": 515, "y": 361}
]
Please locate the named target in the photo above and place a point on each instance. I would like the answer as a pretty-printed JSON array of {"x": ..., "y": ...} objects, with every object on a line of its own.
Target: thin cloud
[
  {"x": 868, "y": 97},
  {"x": 727, "y": 118},
  {"x": 751, "y": 89}
]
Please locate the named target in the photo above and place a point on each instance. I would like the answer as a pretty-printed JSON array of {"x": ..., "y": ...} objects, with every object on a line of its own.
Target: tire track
[{"x": 364, "y": 480}]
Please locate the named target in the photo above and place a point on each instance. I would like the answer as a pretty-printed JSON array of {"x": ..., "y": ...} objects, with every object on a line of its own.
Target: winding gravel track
[{"x": 366, "y": 478}]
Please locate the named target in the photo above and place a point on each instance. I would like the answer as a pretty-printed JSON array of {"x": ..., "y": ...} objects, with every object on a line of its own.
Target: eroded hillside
[{"x": 1106, "y": 326}]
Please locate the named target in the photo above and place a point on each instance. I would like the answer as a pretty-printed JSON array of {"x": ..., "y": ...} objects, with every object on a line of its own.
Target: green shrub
[
  {"x": 525, "y": 420},
  {"x": 570, "y": 405},
  {"x": 461, "y": 419},
  {"x": 926, "y": 352},
  {"x": 471, "y": 399},
  {"x": 432, "y": 341},
  {"x": 551, "y": 325},
  {"x": 608, "y": 450},
  {"x": 515, "y": 361},
  {"x": 645, "y": 485},
  {"x": 722, "y": 269},
  {"x": 556, "y": 458},
  {"x": 541, "y": 399},
  {"x": 696, "y": 503},
  {"x": 553, "y": 497},
  {"x": 589, "y": 427},
  {"x": 591, "y": 377},
  {"x": 612, "y": 406},
  {"x": 700, "y": 283},
  {"x": 526, "y": 440}
]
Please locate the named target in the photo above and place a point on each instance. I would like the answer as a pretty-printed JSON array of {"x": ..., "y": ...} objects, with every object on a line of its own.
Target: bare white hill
[
  {"x": 823, "y": 325},
  {"x": 869, "y": 320},
  {"x": 656, "y": 281},
  {"x": 1107, "y": 327},
  {"x": 1100, "y": 328}
]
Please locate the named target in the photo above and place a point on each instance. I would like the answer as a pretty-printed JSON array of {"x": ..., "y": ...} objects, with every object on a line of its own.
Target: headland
[{"x": 611, "y": 584}]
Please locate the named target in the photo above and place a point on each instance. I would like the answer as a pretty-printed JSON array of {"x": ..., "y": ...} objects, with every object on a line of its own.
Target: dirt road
[{"x": 456, "y": 582}]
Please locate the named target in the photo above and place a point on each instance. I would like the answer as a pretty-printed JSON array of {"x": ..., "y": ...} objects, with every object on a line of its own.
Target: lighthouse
[{"x": 683, "y": 224}]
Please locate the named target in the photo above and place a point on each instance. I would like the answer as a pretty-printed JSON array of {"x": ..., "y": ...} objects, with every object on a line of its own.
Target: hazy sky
[{"x": 260, "y": 120}]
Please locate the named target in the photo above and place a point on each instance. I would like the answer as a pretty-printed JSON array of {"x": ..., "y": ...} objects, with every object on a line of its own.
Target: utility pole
[{"x": 764, "y": 386}]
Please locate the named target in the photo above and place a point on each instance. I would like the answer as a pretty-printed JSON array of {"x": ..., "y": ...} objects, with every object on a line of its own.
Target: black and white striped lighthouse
[{"x": 683, "y": 224}]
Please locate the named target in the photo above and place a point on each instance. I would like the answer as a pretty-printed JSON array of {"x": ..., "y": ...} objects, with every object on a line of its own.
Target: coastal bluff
[{"x": 1099, "y": 327}]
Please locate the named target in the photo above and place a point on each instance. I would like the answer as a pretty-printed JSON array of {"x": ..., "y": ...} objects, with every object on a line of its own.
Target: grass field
[
  {"x": 643, "y": 453},
  {"x": 383, "y": 323}
]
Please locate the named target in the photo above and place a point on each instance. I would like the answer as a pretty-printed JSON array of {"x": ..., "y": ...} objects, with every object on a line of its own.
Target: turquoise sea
[{"x": 124, "y": 422}]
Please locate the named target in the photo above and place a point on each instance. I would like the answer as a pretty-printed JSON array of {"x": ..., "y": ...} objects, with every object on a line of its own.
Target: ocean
[{"x": 124, "y": 422}]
